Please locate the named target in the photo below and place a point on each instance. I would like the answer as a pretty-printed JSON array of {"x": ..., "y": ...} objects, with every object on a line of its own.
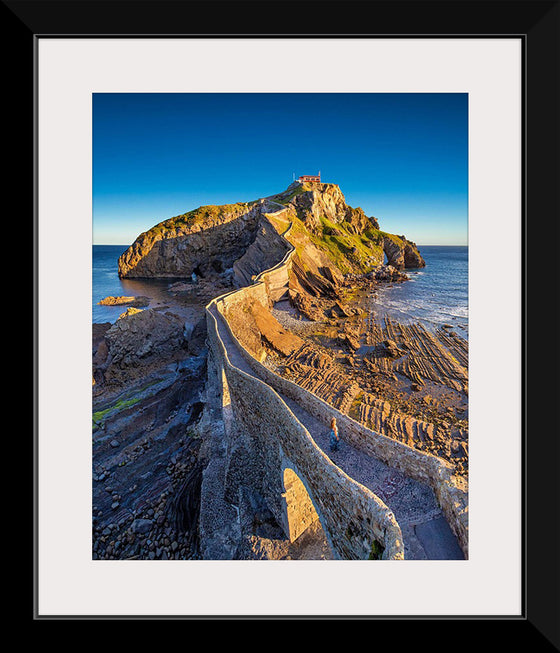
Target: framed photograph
[{"x": 301, "y": 258}]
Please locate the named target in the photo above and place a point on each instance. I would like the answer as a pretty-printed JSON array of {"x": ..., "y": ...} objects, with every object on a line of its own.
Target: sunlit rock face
[
  {"x": 402, "y": 253},
  {"x": 212, "y": 239},
  {"x": 205, "y": 241},
  {"x": 315, "y": 203}
]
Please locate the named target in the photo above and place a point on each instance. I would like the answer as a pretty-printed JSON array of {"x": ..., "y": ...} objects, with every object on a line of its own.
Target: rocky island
[{"x": 210, "y": 412}]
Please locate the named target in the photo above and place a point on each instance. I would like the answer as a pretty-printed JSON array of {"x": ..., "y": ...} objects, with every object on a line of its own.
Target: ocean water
[
  {"x": 434, "y": 295},
  {"x": 106, "y": 282}
]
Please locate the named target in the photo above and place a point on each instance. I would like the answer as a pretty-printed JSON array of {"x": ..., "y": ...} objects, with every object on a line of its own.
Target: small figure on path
[{"x": 334, "y": 439}]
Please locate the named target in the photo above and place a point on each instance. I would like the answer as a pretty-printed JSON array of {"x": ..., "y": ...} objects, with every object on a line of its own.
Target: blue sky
[{"x": 401, "y": 157}]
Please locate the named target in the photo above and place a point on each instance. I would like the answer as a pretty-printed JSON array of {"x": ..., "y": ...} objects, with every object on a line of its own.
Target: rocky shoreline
[
  {"x": 136, "y": 302},
  {"x": 152, "y": 433},
  {"x": 154, "y": 410},
  {"x": 149, "y": 370}
]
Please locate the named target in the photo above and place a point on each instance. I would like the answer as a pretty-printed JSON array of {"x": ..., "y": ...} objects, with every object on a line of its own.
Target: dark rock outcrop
[
  {"x": 401, "y": 253},
  {"x": 138, "y": 343},
  {"x": 268, "y": 248}
]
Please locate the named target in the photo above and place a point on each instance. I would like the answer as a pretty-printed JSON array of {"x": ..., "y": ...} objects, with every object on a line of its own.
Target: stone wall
[
  {"x": 351, "y": 514},
  {"x": 420, "y": 466},
  {"x": 300, "y": 511},
  {"x": 353, "y": 518},
  {"x": 266, "y": 250}
]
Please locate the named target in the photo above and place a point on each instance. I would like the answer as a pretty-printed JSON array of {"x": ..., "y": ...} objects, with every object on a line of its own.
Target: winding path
[{"x": 426, "y": 534}]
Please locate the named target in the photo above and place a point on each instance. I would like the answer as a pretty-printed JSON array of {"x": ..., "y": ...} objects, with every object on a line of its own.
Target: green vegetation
[
  {"x": 288, "y": 195},
  {"x": 202, "y": 214},
  {"x": 398, "y": 241},
  {"x": 354, "y": 410},
  {"x": 376, "y": 551},
  {"x": 346, "y": 249},
  {"x": 374, "y": 236},
  {"x": 298, "y": 230},
  {"x": 99, "y": 416}
]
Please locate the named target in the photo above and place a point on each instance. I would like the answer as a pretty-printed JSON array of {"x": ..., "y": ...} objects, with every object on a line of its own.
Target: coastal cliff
[
  {"x": 204, "y": 241},
  {"x": 212, "y": 239},
  {"x": 301, "y": 262}
]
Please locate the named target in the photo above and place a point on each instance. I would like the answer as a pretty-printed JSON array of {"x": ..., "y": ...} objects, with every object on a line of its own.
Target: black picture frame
[{"x": 537, "y": 24}]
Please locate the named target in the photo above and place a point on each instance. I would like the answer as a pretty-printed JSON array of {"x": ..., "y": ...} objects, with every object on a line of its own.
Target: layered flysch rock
[
  {"x": 267, "y": 246},
  {"x": 213, "y": 239}
]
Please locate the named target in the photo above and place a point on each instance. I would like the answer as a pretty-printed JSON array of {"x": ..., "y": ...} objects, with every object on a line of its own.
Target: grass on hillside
[
  {"x": 347, "y": 249},
  {"x": 97, "y": 418},
  {"x": 200, "y": 215}
]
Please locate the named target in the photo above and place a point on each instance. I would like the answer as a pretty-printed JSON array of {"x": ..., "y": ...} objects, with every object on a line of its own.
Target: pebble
[{"x": 141, "y": 525}]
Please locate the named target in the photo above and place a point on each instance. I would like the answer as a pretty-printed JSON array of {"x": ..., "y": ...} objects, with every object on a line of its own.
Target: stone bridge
[{"x": 375, "y": 498}]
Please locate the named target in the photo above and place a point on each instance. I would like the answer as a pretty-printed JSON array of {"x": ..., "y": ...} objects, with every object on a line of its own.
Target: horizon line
[{"x": 417, "y": 244}]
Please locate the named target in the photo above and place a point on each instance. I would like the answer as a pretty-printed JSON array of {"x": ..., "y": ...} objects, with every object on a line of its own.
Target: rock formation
[
  {"x": 137, "y": 302},
  {"x": 316, "y": 204},
  {"x": 387, "y": 273},
  {"x": 205, "y": 241},
  {"x": 401, "y": 253},
  {"x": 334, "y": 239},
  {"x": 254, "y": 325},
  {"x": 137, "y": 342},
  {"x": 326, "y": 248},
  {"x": 267, "y": 246}
]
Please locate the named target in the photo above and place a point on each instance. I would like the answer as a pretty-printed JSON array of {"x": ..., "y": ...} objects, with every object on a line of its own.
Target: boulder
[
  {"x": 140, "y": 340},
  {"x": 339, "y": 310},
  {"x": 303, "y": 303},
  {"x": 348, "y": 341},
  {"x": 273, "y": 333},
  {"x": 387, "y": 273},
  {"x": 139, "y": 301},
  {"x": 130, "y": 311},
  {"x": 141, "y": 526},
  {"x": 387, "y": 349},
  {"x": 197, "y": 338}
]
